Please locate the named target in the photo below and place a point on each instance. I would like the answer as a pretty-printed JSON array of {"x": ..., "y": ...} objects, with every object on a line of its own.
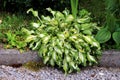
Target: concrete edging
[
  {"x": 13, "y": 56},
  {"x": 110, "y": 58}
]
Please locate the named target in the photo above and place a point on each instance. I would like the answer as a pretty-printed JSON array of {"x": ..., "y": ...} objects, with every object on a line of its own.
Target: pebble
[{"x": 48, "y": 73}]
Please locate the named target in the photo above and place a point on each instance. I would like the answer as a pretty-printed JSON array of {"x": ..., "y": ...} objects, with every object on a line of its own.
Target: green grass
[{"x": 13, "y": 22}]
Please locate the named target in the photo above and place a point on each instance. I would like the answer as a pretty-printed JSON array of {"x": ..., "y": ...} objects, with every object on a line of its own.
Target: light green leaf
[
  {"x": 36, "y": 45},
  {"x": 86, "y": 26},
  {"x": 35, "y": 13},
  {"x": 41, "y": 35},
  {"x": 52, "y": 62},
  {"x": 69, "y": 18},
  {"x": 58, "y": 50},
  {"x": 30, "y": 38},
  {"x": 36, "y": 25},
  {"x": 68, "y": 58},
  {"x": 95, "y": 44},
  {"x": 27, "y": 31},
  {"x": 31, "y": 45},
  {"x": 72, "y": 64},
  {"x": 54, "y": 56},
  {"x": 91, "y": 58},
  {"x": 61, "y": 36},
  {"x": 59, "y": 43},
  {"x": 81, "y": 57},
  {"x": 88, "y": 39},
  {"x": 46, "y": 18},
  {"x": 46, "y": 59},
  {"x": 66, "y": 51},
  {"x": 88, "y": 32},
  {"x": 64, "y": 25},
  {"x": 50, "y": 10},
  {"x": 83, "y": 20},
  {"x": 46, "y": 39},
  {"x": 59, "y": 15},
  {"x": 65, "y": 66}
]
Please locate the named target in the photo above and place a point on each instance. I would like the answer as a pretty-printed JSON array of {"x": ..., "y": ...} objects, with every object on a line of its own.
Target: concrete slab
[
  {"x": 110, "y": 58},
  {"x": 13, "y": 56}
]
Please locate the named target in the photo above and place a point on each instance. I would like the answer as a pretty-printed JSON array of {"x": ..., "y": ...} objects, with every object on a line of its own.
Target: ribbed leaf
[
  {"x": 103, "y": 35},
  {"x": 116, "y": 37}
]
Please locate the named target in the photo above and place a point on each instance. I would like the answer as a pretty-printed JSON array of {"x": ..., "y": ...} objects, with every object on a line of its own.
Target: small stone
[{"x": 100, "y": 73}]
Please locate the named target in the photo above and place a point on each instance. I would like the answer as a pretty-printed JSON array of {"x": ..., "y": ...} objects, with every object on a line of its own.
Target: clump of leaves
[
  {"x": 63, "y": 40},
  {"x": 15, "y": 40}
]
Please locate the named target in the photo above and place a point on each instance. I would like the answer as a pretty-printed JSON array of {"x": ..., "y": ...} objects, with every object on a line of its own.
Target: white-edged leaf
[
  {"x": 91, "y": 58},
  {"x": 36, "y": 25},
  {"x": 52, "y": 63},
  {"x": 46, "y": 59},
  {"x": 68, "y": 58},
  {"x": 30, "y": 38},
  {"x": 58, "y": 50},
  {"x": 54, "y": 56},
  {"x": 65, "y": 66},
  {"x": 35, "y": 13},
  {"x": 46, "y": 39},
  {"x": 81, "y": 57},
  {"x": 36, "y": 45}
]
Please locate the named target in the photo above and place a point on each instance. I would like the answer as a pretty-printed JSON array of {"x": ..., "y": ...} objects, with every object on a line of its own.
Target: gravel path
[{"x": 47, "y": 73}]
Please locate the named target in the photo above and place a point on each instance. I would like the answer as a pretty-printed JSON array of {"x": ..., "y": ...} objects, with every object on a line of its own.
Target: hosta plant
[{"x": 63, "y": 40}]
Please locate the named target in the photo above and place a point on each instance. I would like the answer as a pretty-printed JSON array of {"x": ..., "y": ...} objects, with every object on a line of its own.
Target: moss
[{"x": 34, "y": 66}]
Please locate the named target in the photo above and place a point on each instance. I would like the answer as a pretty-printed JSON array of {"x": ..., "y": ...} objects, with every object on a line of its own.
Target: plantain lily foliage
[{"x": 64, "y": 41}]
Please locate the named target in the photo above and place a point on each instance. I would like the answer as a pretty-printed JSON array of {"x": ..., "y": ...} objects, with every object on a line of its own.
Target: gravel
[{"x": 48, "y": 73}]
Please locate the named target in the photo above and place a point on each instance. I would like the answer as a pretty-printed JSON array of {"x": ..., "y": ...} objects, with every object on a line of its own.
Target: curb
[
  {"x": 13, "y": 56},
  {"x": 110, "y": 58}
]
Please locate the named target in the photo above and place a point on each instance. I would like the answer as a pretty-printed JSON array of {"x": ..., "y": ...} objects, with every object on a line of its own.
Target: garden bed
[{"x": 110, "y": 58}]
